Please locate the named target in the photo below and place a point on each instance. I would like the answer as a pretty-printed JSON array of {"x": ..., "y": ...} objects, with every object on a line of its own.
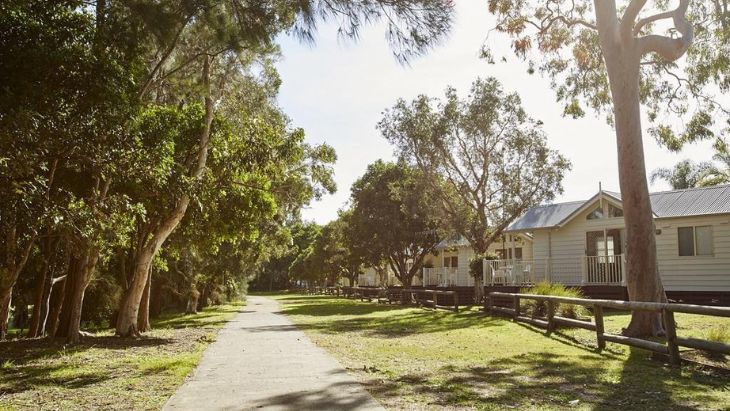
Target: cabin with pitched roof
[{"x": 583, "y": 243}]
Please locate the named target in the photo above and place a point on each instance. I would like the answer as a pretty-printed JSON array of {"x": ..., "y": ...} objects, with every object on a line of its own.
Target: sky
[{"x": 337, "y": 90}]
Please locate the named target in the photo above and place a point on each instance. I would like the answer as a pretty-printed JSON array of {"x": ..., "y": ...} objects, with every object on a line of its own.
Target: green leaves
[
  {"x": 561, "y": 39},
  {"x": 484, "y": 161}
]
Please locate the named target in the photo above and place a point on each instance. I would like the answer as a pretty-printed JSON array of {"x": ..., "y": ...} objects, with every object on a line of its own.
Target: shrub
[{"x": 539, "y": 308}]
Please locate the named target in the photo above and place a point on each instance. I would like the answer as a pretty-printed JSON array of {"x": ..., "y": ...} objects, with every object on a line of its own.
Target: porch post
[{"x": 514, "y": 252}]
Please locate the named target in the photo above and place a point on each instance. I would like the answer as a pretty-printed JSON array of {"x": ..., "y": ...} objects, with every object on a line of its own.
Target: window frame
[{"x": 694, "y": 241}]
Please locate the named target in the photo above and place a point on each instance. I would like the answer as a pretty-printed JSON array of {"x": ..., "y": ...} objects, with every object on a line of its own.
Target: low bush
[
  {"x": 539, "y": 308},
  {"x": 719, "y": 334}
]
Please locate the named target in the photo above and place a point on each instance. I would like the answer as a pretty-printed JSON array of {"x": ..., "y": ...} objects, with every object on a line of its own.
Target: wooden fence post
[
  {"x": 517, "y": 306},
  {"x": 671, "y": 329},
  {"x": 598, "y": 314},
  {"x": 550, "y": 315}
]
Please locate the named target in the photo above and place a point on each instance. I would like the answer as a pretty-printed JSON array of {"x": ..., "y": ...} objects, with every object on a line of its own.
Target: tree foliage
[
  {"x": 485, "y": 161},
  {"x": 560, "y": 40},
  {"x": 392, "y": 218}
]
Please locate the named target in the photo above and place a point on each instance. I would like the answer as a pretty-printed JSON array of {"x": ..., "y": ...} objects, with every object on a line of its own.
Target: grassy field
[
  {"x": 411, "y": 358},
  {"x": 106, "y": 372}
]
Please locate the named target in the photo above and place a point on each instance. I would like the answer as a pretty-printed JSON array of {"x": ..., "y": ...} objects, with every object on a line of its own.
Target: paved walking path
[{"x": 261, "y": 361}]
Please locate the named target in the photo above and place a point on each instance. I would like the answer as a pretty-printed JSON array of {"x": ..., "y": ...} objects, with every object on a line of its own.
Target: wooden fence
[
  {"x": 667, "y": 310},
  {"x": 425, "y": 297}
]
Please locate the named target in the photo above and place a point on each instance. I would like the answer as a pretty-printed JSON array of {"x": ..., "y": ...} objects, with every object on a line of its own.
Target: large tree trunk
[
  {"x": 143, "y": 319},
  {"x": 193, "y": 296},
  {"x": 480, "y": 249},
  {"x": 127, "y": 325},
  {"x": 622, "y": 56},
  {"x": 204, "y": 297},
  {"x": 43, "y": 283},
  {"x": 55, "y": 305},
  {"x": 77, "y": 280},
  {"x": 5, "y": 298}
]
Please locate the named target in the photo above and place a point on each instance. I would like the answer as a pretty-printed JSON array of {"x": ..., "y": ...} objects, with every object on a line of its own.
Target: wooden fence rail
[
  {"x": 667, "y": 310},
  {"x": 426, "y": 297}
]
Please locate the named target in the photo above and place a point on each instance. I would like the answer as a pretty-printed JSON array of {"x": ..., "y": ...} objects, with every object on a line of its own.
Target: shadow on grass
[
  {"x": 544, "y": 379},
  {"x": 30, "y": 363},
  {"x": 366, "y": 317},
  {"x": 27, "y": 350},
  {"x": 560, "y": 336}
]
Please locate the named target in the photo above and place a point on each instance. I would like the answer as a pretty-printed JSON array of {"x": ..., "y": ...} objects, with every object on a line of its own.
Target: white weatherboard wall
[
  {"x": 698, "y": 273},
  {"x": 568, "y": 245},
  {"x": 466, "y": 253}
]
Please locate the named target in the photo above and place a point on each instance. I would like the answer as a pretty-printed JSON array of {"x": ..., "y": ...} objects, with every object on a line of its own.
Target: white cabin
[{"x": 583, "y": 242}]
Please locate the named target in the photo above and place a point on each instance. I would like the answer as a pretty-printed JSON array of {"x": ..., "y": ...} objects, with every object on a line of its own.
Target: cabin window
[
  {"x": 595, "y": 214},
  {"x": 614, "y": 211},
  {"x": 695, "y": 240},
  {"x": 506, "y": 253},
  {"x": 451, "y": 262}
]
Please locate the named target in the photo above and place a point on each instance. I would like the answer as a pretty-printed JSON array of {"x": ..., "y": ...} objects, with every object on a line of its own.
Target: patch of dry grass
[{"x": 107, "y": 372}]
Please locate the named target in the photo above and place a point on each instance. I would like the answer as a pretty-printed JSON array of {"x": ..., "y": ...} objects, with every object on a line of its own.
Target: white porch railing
[
  {"x": 515, "y": 272},
  {"x": 604, "y": 269},
  {"x": 580, "y": 270},
  {"x": 446, "y": 277}
]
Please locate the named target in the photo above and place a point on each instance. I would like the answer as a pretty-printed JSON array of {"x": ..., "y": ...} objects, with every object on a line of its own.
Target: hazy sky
[{"x": 337, "y": 91}]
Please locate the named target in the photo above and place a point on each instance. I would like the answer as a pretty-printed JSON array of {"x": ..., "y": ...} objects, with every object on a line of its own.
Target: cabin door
[{"x": 603, "y": 255}]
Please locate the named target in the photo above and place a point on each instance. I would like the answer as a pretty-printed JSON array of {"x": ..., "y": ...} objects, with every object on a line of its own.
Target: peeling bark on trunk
[{"x": 622, "y": 56}]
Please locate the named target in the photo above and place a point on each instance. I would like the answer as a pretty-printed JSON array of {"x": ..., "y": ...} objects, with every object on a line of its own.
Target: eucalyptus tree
[
  {"x": 613, "y": 59},
  {"x": 223, "y": 34},
  {"x": 485, "y": 161},
  {"x": 392, "y": 218}
]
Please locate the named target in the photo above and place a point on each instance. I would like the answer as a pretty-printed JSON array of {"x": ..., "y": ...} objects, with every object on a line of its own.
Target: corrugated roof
[
  {"x": 692, "y": 202},
  {"x": 665, "y": 204},
  {"x": 545, "y": 216}
]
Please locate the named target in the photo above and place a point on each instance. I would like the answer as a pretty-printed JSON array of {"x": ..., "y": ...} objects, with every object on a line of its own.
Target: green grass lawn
[
  {"x": 421, "y": 359},
  {"x": 106, "y": 372}
]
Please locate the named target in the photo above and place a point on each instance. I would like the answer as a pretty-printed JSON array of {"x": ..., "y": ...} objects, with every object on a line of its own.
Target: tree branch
[
  {"x": 669, "y": 48},
  {"x": 629, "y": 17}
]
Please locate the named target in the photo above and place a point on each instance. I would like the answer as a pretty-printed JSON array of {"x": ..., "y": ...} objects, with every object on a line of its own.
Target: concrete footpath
[{"x": 260, "y": 360}]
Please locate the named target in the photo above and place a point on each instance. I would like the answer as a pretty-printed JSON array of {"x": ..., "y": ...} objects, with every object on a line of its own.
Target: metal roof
[
  {"x": 545, "y": 216},
  {"x": 665, "y": 204},
  {"x": 692, "y": 202}
]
